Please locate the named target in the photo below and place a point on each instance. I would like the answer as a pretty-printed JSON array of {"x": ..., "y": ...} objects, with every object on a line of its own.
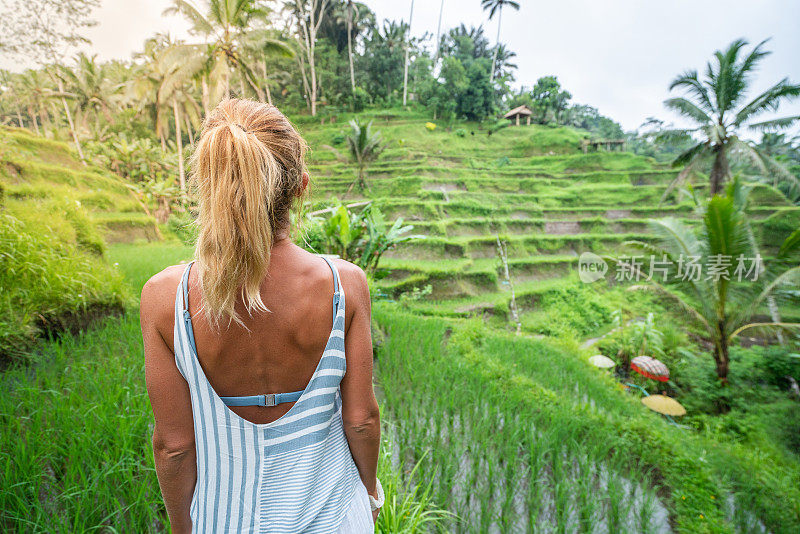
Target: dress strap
[{"x": 337, "y": 286}]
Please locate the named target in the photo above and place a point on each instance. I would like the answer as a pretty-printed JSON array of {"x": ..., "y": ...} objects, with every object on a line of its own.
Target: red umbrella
[{"x": 650, "y": 367}]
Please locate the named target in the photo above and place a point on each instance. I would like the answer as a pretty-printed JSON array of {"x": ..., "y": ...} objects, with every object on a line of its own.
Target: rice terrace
[{"x": 577, "y": 327}]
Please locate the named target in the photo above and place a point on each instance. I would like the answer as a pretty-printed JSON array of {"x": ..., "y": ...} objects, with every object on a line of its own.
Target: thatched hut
[{"x": 516, "y": 113}]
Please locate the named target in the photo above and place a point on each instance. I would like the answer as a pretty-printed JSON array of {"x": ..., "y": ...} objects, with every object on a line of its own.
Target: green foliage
[
  {"x": 364, "y": 147},
  {"x": 461, "y": 132},
  {"x": 51, "y": 281},
  {"x": 361, "y": 237}
]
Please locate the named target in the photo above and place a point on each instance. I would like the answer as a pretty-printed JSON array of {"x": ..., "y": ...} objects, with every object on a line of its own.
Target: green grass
[
  {"x": 75, "y": 453},
  {"x": 498, "y": 418}
]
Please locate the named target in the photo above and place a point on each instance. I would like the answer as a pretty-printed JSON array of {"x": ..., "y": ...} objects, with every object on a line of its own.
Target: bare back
[{"x": 284, "y": 347}]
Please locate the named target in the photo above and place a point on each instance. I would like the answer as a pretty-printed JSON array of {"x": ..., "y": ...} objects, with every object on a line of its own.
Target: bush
[
  {"x": 430, "y": 126},
  {"x": 359, "y": 99},
  {"x": 51, "y": 280},
  {"x": 461, "y": 132}
]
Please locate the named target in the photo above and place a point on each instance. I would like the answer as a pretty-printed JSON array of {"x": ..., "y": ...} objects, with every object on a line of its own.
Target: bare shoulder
[
  {"x": 354, "y": 281},
  {"x": 158, "y": 294}
]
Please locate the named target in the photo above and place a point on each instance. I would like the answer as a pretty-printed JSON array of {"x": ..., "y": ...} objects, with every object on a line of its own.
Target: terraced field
[
  {"x": 549, "y": 205},
  {"x": 518, "y": 433},
  {"x": 35, "y": 170}
]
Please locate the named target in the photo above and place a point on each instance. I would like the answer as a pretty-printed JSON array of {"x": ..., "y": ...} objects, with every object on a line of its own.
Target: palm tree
[
  {"x": 364, "y": 147},
  {"x": 496, "y": 6},
  {"x": 259, "y": 46},
  {"x": 715, "y": 105},
  {"x": 90, "y": 86},
  {"x": 225, "y": 24},
  {"x": 723, "y": 304}
]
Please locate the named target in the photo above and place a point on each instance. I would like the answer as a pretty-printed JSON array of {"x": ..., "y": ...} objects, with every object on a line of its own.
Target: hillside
[
  {"x": 57, "y": 217},
  {"x": 520, "y": 433}
]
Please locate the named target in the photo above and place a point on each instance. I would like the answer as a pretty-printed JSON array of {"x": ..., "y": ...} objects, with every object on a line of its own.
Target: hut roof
[{"x": 521, "y": 110}]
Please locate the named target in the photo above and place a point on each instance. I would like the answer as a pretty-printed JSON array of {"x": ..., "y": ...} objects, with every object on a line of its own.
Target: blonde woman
[{"x": 259, "y": 375}]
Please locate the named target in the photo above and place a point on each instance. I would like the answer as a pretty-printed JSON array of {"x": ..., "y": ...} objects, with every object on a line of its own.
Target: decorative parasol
[
  {"x": 603, "y": 362},
  {"x": 650, "y": 367},
  {"x": 664, "y": 405}
]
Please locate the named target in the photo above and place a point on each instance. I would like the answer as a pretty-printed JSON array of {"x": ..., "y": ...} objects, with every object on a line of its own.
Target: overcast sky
[{"x": 616, "y": 55}]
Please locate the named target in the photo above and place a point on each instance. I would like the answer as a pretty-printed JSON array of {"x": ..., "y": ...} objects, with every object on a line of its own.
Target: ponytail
[{"x": 247, "y": 170}]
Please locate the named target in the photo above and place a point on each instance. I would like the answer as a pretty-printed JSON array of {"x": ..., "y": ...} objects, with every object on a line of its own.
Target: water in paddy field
[{"x": 549, "y": 489}]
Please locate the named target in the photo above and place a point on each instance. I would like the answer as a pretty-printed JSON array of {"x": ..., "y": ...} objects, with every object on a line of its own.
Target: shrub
[
  {"x": 461, "y": 132},
  {"x": 359, "y": 99},
  {"x": 430, "y": 126}
]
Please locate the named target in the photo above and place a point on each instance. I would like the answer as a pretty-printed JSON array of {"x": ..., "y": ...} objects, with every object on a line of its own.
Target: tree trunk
[
  {"x": 181, "y": 175},
  {"x": 350, "y": 45},
  {"x": 33, "y": 119},
  {"x": 438, "y": 34},
  {"x": 269, "y": 94},
  {"x": 189, "y": 129},
  {"x": 405, "y": 65},
  {"x": 69, "y": 121},
  {"x": 304, "y": 77},
  {"x": 313, "y": 69},
  {"x": 497, "y": 44},
  {"x": 720, "y": 170},
  {"x": 19, "y": 119},
  {"x": 205, "y": 97},
  {"x": 721, "y": 358}
]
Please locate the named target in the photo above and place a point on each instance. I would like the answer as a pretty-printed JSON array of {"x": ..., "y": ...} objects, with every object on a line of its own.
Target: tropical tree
[
  {"x": 722, "y": 301},
  {"x": 89, "y": 85},
  {"x": 224, "y": 25},
  {"x": 716, "y": 105},
  {"x": 496, "y": 6},
  {"x": 364, "y": 147},
  {"x": 362, "y": 237},
  {"x": 308, "y": 16}
]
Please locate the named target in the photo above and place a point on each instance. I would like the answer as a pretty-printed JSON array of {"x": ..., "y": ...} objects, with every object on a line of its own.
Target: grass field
[{"x": 505, "y": 433}]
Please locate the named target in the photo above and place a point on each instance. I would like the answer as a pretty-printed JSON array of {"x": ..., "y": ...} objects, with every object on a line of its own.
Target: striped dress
[{"x": 295, "y": 474}]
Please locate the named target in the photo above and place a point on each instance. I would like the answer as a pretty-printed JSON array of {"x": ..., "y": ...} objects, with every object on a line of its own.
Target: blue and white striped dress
[{"x": 295, "y": 474}]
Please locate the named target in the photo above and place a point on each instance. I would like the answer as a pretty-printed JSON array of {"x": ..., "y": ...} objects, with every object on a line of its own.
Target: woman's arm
[
  {"x": 359, "y": 406},
  {"x": 173, "y": 436}
]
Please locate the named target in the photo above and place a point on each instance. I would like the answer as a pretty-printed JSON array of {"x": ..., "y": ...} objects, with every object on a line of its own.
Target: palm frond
[
  {"x": 200, "y": 24},
  {"x": 688, "y": 109},
  {"x": 768, "y": 101},
  {"x": 689, "y": 81},
  {"x": 774, "y": 124}
]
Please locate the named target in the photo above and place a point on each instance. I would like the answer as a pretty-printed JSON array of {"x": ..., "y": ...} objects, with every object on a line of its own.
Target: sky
[{"x": 616, "y": 55}]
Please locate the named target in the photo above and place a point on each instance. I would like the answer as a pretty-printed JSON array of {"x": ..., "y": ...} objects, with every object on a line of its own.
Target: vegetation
[
  {"x": 480, "y": 315},
  {"x": 738, "y": 281},
  {"x": 717, "y": 107}
]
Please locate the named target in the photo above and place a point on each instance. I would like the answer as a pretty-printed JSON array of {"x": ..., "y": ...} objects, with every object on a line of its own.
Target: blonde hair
[{"x": 247, "y": 171}]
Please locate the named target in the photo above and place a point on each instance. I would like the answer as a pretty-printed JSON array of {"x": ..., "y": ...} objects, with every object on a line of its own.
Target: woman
[{"x": 268, "y": 423}]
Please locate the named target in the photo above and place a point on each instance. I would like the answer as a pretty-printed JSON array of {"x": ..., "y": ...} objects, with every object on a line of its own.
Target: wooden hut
[{"x": 516, "y": 113}]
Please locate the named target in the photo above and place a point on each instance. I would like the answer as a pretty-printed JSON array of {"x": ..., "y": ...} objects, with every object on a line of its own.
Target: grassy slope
[
  {"x": 551, "y": 203},
  {"x": 54, "y": 273}
]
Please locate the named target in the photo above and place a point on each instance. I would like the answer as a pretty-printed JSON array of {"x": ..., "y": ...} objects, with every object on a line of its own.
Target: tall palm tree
[
  {"x": 496, "y": 6},
  {"x": 723, "y": 305},
  {"x": 89, "y": 85},
  {"x": 716, "y": 105},
  {"x": 35, "y": 90},
  {"x": 224, "y": 25},
  {"x": 364, "y": 147}
]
